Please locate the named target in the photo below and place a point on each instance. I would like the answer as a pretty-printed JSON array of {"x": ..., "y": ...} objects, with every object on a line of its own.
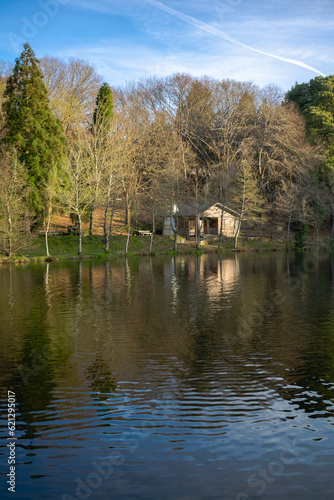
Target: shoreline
[{"x": 63, "y": 249}]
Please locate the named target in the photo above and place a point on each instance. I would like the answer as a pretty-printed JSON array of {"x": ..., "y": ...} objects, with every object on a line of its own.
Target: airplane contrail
[{"x": 213, "y": 31}]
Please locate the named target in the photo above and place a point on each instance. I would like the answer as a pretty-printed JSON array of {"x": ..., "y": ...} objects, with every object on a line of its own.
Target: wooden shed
[{"x": 209, "y": 217}]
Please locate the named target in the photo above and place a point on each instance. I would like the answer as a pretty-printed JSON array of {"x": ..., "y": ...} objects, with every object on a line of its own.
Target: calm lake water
[{"x": 170, "y": 378}]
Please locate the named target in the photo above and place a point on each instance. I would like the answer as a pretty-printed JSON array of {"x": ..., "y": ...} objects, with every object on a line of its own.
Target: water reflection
[{"x": 214, "y": 360}]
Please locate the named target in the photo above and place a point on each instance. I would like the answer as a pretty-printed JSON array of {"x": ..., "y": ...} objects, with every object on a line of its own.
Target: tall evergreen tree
[
  {"x": 100, "y": 134},
  {"x": 30, "y": 125},
  {"x": 104, "y": 108}
]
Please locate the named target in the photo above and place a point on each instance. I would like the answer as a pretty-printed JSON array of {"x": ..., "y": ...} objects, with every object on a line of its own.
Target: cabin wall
[
  {"x": 229, "y": 222},
  {"x": 209, "y": 226}
]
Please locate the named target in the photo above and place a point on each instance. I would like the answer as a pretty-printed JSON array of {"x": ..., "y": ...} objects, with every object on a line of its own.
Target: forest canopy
[{"x": 72, "y": 143}]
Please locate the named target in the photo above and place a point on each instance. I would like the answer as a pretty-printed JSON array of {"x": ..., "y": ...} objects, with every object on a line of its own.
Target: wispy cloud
[
  {"x": 149, "y": 37},
  {"x": 123, "y": 63},
  {"x": 221, "y": 34}
]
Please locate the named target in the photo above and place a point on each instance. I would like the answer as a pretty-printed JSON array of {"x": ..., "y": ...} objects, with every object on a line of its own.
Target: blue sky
[{"x": 264, "y": 41}]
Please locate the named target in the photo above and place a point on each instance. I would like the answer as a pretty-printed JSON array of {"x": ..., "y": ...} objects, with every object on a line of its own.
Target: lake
[{"x": 169, "y": 378}]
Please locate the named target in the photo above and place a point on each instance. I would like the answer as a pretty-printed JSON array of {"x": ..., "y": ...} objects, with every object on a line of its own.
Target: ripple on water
[{"x": 163, "y": 365}]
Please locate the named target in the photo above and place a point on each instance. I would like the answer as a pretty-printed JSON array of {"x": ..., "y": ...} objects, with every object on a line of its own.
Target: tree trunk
[
  {"x": 91, "y": 219},
  {"x": 47, "y": 243},
  {"x": 47, "y": 228},
  {"x": 236, "y": 237},
  {"x": 129, "y": 228},
  {"x": 127, "y": 240},
  {"x": 10, "y": 230},
  {"x": 199, "y": 225},
  {"x": 175, "y": 241},
  {"x": 112, "y": 215},
  {"x": 174, "y": 228},
  {"x": 106, "y": 212},
  {"x": 153, "y": 227},
  {"x": 196, "y": 232},
  {"x": 79, "y": 236},
  {"x": 221, "y": 228},
  {"x": 288, "y": 232},
  {"x": 332, "y": 231},
  {"x": 126, "y": 212},
  {"x": 10, "y": 237},
  {"x": 106, "y": 235}
]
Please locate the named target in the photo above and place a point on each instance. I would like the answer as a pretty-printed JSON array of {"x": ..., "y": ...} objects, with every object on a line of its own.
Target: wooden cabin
[{"x": 209, "y": 217}]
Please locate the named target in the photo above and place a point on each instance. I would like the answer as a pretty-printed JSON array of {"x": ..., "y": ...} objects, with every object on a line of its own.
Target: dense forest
[{"x": 70, "y": 144}]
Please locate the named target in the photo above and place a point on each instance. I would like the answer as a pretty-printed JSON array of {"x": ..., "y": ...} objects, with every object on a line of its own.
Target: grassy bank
[{"x": 66, "y": 247}]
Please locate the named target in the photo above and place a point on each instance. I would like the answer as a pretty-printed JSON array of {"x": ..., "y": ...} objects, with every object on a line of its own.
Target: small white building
[{"x": 209, "y": 218}]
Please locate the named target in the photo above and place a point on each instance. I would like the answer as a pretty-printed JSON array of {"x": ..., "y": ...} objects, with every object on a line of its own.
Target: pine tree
[
  {"x": 104, "y": 108},
  {"x": 30, "y": 126},
  {"x": 100, "y": 135}
]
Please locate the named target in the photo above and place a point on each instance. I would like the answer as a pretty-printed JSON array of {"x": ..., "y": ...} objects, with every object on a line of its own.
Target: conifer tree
[
  {"x": 30, "y": 126},
  {"x": 104, "y": 107},
  {"x": 100, "y": 130}
]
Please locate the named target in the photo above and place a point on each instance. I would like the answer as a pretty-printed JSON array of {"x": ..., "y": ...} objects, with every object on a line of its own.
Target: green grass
[{"x": 66, "y": 247}]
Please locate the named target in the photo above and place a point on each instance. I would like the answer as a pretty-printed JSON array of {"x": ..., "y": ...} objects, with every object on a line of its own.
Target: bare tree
[
  {"x": 218, "y": 134},
  {"x": 317, "y": 209},
  {"x": 281, "y": 151},
  {"x": 15, "y": 217},
  {"x": 73, "y": 86},
  {"x": 134, "y": 119},
  {"x": 290, "y": 202},
  {"x": 76, "y": 193},
  {"x": 249, "y": 201}
]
